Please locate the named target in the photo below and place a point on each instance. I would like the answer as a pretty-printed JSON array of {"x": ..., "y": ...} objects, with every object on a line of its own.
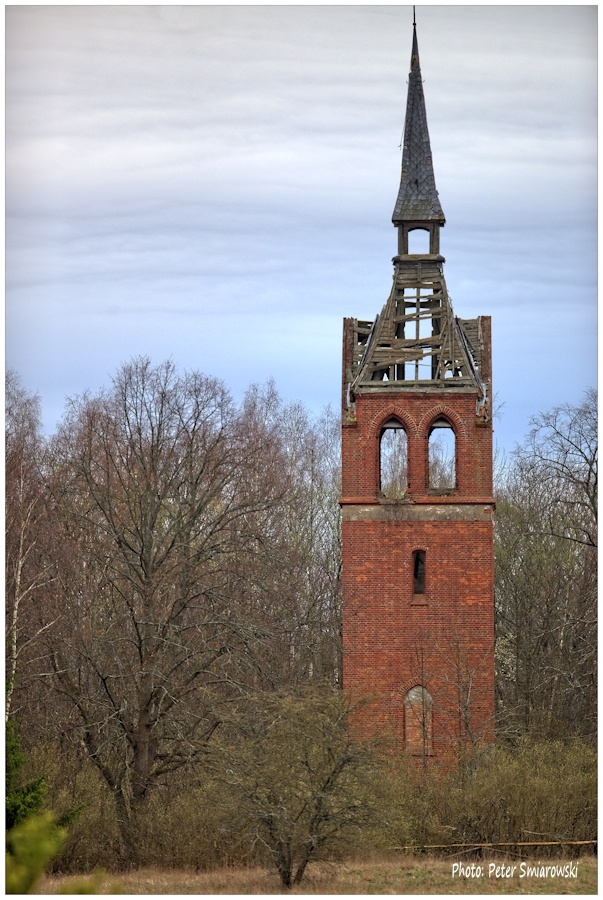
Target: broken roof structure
[{"x": 416, "y": 343}]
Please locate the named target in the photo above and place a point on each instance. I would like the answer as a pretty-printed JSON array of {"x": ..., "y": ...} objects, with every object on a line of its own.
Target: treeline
[
  {"x": 167, "y": 552},
  {"x": 173, "y": 556},
  {"x": 546, "y": 578}
]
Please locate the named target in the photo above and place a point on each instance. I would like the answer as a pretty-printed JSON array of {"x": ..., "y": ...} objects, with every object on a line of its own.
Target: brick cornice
[{"x": 417, "y": 512}]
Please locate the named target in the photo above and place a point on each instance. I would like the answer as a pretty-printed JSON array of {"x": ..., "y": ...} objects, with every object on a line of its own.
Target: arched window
[
  {"x": 393, "y": 460},
  {"x": 442, "y": 456},
  {"x": 418, "y": 241},
  {"x": 418, "y": 706}
]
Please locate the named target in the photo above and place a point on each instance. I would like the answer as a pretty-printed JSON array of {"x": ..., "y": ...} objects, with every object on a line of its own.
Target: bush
[
  {"x": 32, "y": 845},
  {"x": 541, "y": 791},
  {"x": 294, "y": 782},
  {"x": 537, "y": 791}
]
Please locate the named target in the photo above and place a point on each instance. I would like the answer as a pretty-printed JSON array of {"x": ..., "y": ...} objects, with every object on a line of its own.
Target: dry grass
[{"x": 402, "y": 875}]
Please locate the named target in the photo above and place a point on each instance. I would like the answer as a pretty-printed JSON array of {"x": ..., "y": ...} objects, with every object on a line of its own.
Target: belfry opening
[{"x": 417, "y": 504}]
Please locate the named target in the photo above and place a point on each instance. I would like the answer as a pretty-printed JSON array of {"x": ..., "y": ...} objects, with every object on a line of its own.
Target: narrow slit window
[
  {"x": 393, "y": 461},
  {"x": 419, "y": 572}
]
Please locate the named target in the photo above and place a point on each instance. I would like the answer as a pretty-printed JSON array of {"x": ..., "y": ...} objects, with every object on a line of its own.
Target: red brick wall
[{"x": 444, "y": 639}]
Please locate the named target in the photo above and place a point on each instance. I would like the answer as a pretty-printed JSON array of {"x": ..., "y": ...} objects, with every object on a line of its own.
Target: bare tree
[
  {"x": 27, "y": 566},
  {"x": 293, "y": 569},
  {"x": 463, "y": 674},
  {"x": 545, "y": 585},
  {"x": 153, "y": 482},
  {"x": 562, "y": 451}
]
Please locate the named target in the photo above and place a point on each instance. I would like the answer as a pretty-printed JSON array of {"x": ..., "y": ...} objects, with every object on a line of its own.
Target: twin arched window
[{"x": 393, "y": 458}]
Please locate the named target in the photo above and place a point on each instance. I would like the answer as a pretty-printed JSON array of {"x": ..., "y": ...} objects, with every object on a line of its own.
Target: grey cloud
[{"x": 178, "y": 170}]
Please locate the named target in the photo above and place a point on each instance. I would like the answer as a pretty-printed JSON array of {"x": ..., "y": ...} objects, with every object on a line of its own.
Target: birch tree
[{"x": 28, "y": 569}]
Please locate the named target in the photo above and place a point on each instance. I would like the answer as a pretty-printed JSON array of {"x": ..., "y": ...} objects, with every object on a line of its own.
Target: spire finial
[{"x": 414, "y": 57}]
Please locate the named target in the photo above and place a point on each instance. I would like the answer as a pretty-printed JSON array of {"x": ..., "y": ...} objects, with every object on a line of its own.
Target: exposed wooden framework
[{"x": 416, "y": 341}]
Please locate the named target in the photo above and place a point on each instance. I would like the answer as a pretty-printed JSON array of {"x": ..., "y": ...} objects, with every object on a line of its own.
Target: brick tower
[{"x": 418, "y": 560}]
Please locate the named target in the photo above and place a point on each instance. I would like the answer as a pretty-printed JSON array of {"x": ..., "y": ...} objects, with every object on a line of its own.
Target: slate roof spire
[{"x": 418, "y": 199}]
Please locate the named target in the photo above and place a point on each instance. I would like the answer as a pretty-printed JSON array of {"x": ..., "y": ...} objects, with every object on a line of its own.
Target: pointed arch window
[
  {"x": 393, "y": 460},
  {"x": 418, "y": 715},
  {"x": 442, "y": 456}
]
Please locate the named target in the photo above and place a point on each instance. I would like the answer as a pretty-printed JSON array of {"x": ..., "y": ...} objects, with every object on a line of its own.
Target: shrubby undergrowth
[{"x": 532, "y": 792}]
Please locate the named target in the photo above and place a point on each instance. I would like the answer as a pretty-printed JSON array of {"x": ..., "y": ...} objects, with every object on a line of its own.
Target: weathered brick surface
[{"x": 443, "y": 639}]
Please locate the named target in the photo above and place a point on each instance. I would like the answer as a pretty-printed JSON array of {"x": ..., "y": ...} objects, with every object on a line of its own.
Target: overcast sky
[{"x": 215, "y": 184}]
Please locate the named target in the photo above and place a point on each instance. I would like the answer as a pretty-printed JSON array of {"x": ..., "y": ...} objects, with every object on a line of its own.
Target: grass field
[{"x": 403, "y": 875}]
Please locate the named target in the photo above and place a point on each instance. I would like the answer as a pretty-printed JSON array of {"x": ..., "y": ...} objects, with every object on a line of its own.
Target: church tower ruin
[{"x": 418, "y": 559}]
